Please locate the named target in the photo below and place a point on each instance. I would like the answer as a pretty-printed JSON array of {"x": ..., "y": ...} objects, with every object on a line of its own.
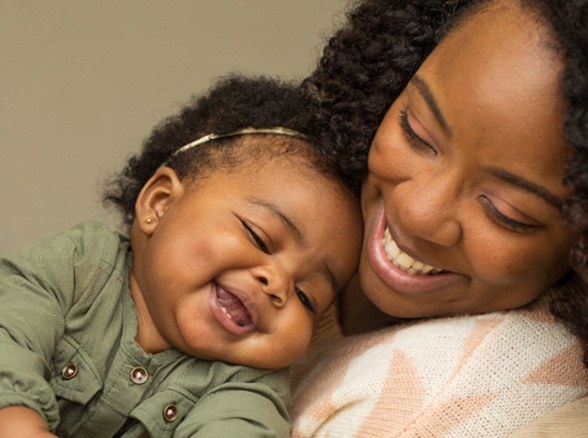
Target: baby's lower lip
[{"x": 230, "y": 311}]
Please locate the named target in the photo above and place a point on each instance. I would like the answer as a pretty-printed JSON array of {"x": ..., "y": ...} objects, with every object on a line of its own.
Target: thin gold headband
[{"x": 277, "y": 131}]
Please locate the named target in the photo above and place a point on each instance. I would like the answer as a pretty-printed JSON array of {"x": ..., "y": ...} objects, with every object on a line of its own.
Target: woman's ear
[{"x": 163, "y": 188}]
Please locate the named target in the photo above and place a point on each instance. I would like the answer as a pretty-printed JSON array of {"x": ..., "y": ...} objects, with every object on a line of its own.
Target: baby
[{"x": 243, "y": 228}]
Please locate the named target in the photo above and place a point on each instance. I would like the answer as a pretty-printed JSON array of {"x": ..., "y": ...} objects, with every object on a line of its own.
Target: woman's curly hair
[
  {"x": 368, "y": 62},
  {"x": 234, "y": 102}
]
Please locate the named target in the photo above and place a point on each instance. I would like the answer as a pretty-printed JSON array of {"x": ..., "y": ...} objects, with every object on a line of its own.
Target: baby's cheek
[{"x": 297, "y": 343}]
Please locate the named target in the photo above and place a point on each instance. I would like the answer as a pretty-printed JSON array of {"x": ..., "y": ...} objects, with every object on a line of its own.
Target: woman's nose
[
  {"x": 274, "y": 283},
  {"x": 429, "y": 211}
]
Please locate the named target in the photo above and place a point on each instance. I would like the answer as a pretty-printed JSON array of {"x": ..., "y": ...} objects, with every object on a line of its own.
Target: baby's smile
[{"x": 233, "y": 308}]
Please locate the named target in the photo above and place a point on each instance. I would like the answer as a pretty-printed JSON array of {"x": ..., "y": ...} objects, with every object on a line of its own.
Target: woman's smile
[
  {"x": 402, "y": 260},
  {"x": 402, "y": 272}
]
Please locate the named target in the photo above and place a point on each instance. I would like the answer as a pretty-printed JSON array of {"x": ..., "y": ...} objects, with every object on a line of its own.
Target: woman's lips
[
  {"x": 231, "y": 311},
  {"x": 398, "y": 270}
]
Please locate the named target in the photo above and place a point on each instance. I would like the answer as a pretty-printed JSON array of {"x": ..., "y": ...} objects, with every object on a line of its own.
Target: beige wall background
[{"x": 82, "y": 82}]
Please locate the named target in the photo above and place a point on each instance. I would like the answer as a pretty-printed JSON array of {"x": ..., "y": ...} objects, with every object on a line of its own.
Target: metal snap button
[
  {"x": 170, "y": 412},
  {"x": 69, "y": 371},
  {"x": 139, "y": 375}
]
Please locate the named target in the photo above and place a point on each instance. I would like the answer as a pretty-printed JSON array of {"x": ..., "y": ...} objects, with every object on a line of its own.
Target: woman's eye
[
  {"x": 258, "y": 241},
  {"x": 413, "y": 138},
  {"x": 504, "y": 220},
  {"x": 305, "y": 300}
]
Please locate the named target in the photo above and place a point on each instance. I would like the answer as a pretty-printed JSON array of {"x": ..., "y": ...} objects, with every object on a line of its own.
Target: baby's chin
[{"x": 246, "y": 356}]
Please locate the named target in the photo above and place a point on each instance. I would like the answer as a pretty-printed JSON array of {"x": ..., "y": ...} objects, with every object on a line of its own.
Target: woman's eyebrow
[
  {"x": 535, "y": 189},
  {"x": 425, "y": 92}
]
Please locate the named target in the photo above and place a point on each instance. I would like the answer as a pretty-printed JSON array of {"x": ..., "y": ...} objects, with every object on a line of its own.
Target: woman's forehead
[
  {"x": 496, "y": 83},
  {"x": 498, "y": 63}
]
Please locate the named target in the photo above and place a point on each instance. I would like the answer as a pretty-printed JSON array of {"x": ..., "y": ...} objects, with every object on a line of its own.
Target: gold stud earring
[{"x": 149, "y": 221}]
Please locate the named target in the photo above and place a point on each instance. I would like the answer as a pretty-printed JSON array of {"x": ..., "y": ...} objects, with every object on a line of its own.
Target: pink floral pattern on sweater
[{"x": 472, "y": 376}]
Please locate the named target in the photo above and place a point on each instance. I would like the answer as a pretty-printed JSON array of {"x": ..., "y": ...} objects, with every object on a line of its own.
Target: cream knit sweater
[{"x": 473, "y": 376}]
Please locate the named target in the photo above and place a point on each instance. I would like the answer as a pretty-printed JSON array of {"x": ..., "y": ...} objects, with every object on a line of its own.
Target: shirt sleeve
[
  {"x": 37, "y": 286},
  {"x": 253, "y": 410}
]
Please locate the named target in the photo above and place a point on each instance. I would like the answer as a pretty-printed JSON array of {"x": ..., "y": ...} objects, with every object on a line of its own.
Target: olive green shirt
[{"x": 68, "y": 350}]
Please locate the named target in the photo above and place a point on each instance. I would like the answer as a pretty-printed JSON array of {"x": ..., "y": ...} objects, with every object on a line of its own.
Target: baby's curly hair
[
  {"x": 233, "y": 102},
  {"x": 368, "y": 62}
]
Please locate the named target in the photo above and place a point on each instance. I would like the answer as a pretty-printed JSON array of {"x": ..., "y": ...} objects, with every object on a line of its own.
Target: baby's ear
[{"x": 155, "y": 198}]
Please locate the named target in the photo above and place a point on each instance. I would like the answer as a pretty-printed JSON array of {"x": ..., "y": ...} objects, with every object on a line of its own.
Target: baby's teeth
[{"x": 226, "y": 312}]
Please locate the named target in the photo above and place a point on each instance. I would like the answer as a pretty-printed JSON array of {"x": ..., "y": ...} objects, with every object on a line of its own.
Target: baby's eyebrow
[
  {"x": 277, "y": 212},
  {"x": 295, "y": 232}
]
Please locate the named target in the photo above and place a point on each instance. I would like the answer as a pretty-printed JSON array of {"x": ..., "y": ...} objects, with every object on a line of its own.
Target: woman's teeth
[{"x": 404, "y": 261}]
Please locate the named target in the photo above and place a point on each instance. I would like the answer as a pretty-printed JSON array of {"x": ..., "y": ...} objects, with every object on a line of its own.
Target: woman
[{"x": 476, "y": 195}]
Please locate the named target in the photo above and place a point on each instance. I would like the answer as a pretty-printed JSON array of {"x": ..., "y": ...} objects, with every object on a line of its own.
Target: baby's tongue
[{"x": 234, "y": 308}]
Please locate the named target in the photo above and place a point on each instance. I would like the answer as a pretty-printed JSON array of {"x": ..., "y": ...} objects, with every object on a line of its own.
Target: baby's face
[{"x": 242, "y": 264}]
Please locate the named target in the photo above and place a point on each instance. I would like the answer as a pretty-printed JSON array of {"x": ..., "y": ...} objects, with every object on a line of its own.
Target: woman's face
[{"x": 463, "y": 199}]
